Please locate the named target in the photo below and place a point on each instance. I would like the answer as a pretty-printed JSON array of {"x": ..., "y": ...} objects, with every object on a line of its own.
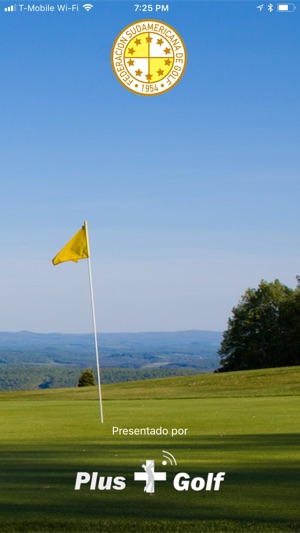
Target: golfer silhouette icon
[
  {"x": 150, "y": 476},
  {"x": 149, "y": 469}
]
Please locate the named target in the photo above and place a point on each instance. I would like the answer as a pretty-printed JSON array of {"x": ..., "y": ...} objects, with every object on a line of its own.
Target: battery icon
[{"x": 286, "y": 8}]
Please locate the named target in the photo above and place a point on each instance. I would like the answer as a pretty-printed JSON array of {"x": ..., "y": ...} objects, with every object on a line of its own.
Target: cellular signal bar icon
[{"x": 11, "y": 8}]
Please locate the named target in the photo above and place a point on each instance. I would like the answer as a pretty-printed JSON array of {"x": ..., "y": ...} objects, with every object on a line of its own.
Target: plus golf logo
[{"x": 181, "y": 481}]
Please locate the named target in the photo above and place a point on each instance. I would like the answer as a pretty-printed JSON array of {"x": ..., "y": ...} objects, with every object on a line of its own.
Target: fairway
[{"x": 48, "y": 436}]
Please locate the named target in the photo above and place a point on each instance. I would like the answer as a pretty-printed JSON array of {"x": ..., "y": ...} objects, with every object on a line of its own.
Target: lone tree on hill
[
  {"x": 87, "y": 378},
  {"x": 264, "y": 330}
]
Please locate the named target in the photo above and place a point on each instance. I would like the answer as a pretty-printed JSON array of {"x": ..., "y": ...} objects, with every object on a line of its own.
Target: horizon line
[{"x": 113, "y": 332}]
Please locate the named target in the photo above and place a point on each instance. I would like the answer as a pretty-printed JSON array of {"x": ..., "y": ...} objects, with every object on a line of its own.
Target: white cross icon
[{"x": 150, "y": 476}]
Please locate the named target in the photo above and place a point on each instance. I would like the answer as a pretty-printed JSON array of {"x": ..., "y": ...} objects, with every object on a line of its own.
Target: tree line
[
  {"x": 264, "y": 330},
  {"x": 29, "y": 377}
]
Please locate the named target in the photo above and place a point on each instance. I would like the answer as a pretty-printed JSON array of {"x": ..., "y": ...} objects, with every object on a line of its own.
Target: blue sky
[{"x": 191, "y": 196}]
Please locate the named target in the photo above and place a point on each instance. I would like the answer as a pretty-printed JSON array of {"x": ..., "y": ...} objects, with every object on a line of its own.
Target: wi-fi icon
[
  {"x": 87, "y": 7},
  {"x": 169, "y": 457}
]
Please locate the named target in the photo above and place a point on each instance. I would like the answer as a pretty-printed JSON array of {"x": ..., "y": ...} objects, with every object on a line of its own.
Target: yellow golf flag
[{"x": 77, "y": 248}]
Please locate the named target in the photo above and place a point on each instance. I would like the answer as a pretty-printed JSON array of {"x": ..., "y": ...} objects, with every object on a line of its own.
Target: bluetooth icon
[{"x": 270, "y": 8}]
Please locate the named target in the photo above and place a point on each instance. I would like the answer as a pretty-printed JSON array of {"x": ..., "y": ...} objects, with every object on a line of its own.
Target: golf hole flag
[{"x": 77, "y": 248}]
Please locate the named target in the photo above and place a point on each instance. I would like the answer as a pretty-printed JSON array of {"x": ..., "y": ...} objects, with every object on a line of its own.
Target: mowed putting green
[{"x": 245, "y": 424}]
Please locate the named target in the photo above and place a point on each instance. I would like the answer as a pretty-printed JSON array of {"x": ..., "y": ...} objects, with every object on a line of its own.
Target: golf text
[{"x": 181, "y": 482}]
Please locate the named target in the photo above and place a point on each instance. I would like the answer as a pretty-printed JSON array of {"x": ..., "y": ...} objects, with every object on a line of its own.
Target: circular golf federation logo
[{"x": 149, "y": 57}]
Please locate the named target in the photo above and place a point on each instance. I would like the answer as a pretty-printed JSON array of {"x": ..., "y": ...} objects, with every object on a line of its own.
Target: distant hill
[
  {"x": 266, "y": 382},
  {"x": 36, "y": 360},
  {"x": 117, "y": 349}
]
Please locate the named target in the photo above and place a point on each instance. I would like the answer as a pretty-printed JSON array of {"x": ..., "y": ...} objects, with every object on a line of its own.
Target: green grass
[{"x": 245, "y": 423}]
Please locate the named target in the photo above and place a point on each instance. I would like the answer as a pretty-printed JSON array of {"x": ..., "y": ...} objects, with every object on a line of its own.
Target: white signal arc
[
  {"x": 169, "y": 458},
  {"x": 87, "y": 7}
]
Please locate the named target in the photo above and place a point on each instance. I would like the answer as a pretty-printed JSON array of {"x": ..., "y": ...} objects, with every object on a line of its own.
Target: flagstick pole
[{"x": 94, "y": 325}]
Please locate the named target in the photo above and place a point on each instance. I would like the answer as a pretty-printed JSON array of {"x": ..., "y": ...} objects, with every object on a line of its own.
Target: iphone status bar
[
  {"x": 155, "y": 7},
  {"x": 287, "y": 7}
]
